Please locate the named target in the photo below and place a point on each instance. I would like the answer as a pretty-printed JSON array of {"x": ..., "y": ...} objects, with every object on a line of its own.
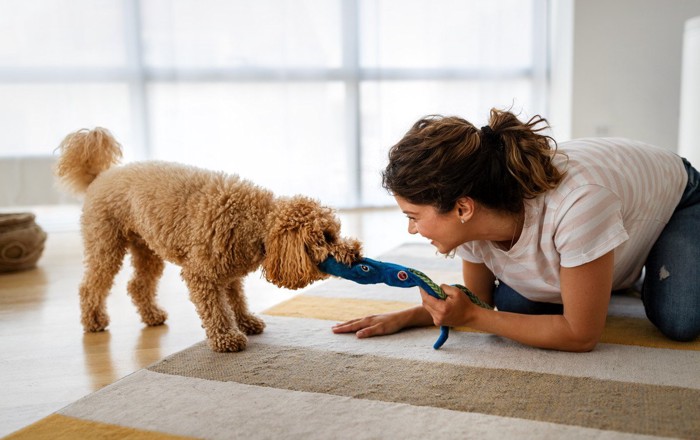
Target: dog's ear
[
  {"x": 286, "y": 262},
  {"x": 291, "y": 256}
]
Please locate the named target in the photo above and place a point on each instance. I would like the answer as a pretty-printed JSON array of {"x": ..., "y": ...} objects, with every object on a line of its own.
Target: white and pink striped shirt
[{"x": 616, "y": 194}]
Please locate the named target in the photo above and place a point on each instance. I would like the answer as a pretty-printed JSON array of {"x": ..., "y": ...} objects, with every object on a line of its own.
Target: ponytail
[{"x": 528, "y": 154}]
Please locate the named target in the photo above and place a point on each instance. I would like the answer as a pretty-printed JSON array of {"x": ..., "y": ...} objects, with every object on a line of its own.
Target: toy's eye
[
  {"x": 402, "y": 275},
  {"x": 364, "y": 268}
]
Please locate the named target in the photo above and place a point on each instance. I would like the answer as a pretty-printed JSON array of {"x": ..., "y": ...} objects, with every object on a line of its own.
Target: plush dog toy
[{"x": 368, "y": 271}]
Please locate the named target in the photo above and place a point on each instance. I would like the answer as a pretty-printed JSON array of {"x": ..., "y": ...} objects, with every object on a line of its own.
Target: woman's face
[{"x": 444, "y": 231}]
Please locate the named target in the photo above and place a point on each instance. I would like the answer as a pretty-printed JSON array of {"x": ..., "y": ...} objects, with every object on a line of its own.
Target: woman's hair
[{"x": 441, "y": 159}]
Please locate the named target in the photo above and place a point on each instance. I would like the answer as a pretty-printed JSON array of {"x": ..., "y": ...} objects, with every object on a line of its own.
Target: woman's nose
[{"x": 412, "y": 228}]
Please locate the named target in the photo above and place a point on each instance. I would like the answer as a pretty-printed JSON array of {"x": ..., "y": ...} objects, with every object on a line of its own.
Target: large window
[{"x": 300, "y": 96}]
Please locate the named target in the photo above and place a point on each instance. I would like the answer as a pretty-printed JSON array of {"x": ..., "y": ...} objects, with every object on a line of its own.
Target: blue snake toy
[{"x": 368, "y": 271}]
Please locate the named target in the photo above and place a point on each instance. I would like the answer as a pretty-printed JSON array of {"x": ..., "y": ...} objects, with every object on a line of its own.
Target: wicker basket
[{"x": 21, "y": 242}]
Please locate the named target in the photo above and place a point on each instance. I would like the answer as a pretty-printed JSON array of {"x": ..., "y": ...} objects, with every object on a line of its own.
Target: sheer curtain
[{"x": 300, "y": 96}]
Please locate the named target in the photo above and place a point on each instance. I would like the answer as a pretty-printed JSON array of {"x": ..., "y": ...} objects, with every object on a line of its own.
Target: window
[{"x": 300, "y": 96}]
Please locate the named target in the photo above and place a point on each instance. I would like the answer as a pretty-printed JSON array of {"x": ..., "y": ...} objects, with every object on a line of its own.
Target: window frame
[{"x": 137, "y": 76}]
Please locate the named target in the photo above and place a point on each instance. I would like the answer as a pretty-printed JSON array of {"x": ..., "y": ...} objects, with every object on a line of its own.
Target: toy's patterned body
[{"x": 368, "y": 271}]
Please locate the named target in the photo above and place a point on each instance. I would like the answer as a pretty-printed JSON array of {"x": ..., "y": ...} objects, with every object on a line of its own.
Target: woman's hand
[
  {"x": 384, "y": 324},
  {"x": 455, "y": 310}
]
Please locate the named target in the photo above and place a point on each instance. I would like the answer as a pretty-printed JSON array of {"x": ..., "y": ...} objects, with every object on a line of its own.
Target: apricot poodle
[{"x": 216, "y": 227}]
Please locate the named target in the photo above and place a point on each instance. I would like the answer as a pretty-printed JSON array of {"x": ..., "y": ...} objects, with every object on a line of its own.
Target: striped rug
[{"x": 300, "y": 381}]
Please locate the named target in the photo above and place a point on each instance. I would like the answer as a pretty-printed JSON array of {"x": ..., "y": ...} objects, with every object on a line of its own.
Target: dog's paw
[
  {"x": 94, "y": 321},
  {"x": 154, "y": 316},
  {"x": 251, "y": 325},
  {"x": 228, "y": 342}
]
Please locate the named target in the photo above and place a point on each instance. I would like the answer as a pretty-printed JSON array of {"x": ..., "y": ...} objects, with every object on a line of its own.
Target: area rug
[{"x": 298, "y": 380}]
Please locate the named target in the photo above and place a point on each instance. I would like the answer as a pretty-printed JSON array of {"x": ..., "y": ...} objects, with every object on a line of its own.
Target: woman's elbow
[
  {"x": 583, "y": 343},
  {"x": 584, "y": 347}
]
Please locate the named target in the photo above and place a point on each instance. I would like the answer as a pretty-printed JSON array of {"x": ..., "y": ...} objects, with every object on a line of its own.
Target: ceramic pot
[{"x": 21, "y": 242}]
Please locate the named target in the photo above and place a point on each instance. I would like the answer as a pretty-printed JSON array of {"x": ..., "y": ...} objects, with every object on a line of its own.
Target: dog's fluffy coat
[{"x": 216, "y": 227}]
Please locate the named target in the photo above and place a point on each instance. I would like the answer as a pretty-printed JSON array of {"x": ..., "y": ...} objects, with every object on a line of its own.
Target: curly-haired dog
[{"x": 216, "y": 227}]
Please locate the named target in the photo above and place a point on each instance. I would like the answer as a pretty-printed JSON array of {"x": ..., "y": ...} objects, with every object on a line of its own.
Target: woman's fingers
[
  {"x": 373, "y": 325},
  {"x": 349, "y": 326},
  {"x": 448, "y": 311}
]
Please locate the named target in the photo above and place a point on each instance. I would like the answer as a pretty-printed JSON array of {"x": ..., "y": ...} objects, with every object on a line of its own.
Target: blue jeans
[
  {"x": 508, "y": 300},
  {"x": 671, "y": 289}
]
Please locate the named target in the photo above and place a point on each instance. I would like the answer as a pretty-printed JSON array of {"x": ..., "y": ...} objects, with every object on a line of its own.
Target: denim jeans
[
  {"x": 671, "y": 288},
  {"x": 508, "y": 300}
]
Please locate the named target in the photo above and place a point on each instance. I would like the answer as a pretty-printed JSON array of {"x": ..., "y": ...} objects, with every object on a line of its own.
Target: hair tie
[{"x": 491, "y": 139}]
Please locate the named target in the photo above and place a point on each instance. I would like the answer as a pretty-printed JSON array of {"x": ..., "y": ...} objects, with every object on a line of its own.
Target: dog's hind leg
[
  {"x": 247, "y": 322},
  {"x": 148, "y": 268},
  {"x": 104, "y": 253},
  {"x": 208, "y": 297}
]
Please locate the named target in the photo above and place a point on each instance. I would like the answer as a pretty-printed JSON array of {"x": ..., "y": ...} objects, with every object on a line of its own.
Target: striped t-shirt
[{"x": 616, "y": 194}]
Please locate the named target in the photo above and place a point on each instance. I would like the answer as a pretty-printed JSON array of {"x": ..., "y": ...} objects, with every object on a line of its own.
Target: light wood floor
[{"x": 47, "y": 362}]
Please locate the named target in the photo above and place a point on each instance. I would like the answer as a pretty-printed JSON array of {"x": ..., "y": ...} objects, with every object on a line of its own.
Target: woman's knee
[
  {"x": 679, "y": 331},
  {"x": 676, "y": 323}
]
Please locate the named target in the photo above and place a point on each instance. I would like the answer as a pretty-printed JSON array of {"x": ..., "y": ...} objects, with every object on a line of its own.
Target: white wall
[
  {"x": 561, "y": 46},
  {"x": 689, "y": 126},
  {"x": 623, "y": 68},
  {"x": 29, "y": 180}
]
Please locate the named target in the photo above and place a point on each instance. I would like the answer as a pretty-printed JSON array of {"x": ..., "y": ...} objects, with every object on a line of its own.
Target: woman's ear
[{"x": 465, "y": 208}]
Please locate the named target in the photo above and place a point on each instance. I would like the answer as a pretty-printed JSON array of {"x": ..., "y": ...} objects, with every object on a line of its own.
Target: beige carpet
[{"x": 300, "y": 381}]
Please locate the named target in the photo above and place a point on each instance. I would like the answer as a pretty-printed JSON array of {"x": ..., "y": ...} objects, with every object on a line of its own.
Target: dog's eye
[
  {"x": 329, "y": 237},
  {"x": 364, "y": 268}
]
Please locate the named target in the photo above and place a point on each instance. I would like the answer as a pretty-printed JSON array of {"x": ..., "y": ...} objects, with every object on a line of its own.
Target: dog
[{"x": 216, "y": 227}]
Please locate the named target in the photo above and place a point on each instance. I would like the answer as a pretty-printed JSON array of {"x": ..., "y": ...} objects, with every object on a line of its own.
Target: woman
[{"x": 545, "y": 234}]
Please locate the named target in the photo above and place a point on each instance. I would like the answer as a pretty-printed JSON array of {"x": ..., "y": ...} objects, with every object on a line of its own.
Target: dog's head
[{"x": 302, "y": 235}]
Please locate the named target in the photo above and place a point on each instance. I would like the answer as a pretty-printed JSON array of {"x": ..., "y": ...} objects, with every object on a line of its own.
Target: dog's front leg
[
  {"x": 247, "y": 322},
  {"x": 208, "y": 297}
]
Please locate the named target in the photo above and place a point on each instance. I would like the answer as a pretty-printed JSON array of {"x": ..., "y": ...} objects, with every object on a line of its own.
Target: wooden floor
[{"x": 47, "y": 361}]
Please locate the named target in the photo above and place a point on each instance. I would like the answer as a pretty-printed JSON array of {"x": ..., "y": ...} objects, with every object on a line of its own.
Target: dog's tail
[{"x": 84, "y": 154}]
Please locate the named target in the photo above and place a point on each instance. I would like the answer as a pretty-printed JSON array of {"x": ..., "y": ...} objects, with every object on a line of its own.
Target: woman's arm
[{"x": 585, "y": 294}]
